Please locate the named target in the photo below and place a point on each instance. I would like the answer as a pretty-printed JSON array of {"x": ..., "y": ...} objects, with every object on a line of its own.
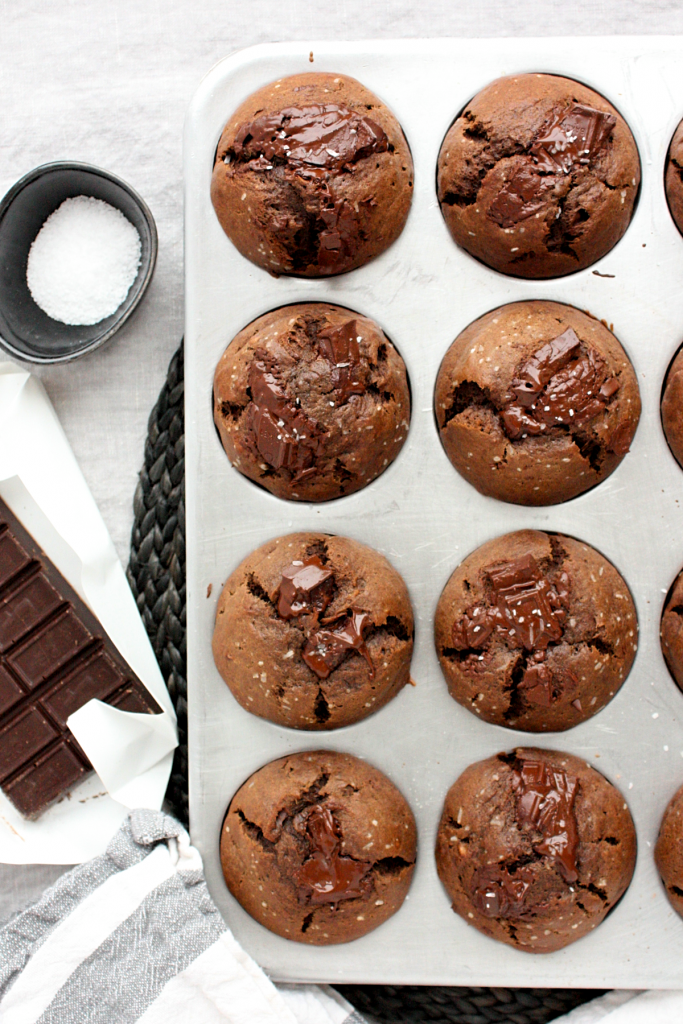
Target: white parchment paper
[{"x": 132, "y": 753}]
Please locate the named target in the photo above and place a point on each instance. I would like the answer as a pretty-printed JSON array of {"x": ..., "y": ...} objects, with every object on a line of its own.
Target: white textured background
[{"x": 108, "y": 82}]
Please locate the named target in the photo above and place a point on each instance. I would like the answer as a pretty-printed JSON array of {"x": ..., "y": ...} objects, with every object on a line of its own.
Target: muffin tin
[{"x": 425, "y": 518}]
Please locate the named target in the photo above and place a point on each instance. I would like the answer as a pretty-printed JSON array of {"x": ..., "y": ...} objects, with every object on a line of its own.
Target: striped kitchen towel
[{"x": 133, "y": 936}]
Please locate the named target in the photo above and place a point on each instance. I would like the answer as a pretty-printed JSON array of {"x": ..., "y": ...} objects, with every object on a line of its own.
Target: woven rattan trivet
[{"x": 156, "y": 574}]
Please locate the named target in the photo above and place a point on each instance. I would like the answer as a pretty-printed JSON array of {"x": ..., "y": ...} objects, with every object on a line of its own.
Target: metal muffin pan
[{"x": 425, "y": 518}]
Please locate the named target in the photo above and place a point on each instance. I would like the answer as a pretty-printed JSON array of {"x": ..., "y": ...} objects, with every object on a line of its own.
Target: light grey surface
[
  {"x": 425, "y": 518},
  {"x": 109, "y": 84}
]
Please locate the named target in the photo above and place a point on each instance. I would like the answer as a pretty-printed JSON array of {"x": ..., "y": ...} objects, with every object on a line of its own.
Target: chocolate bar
[{"x": 54, "y": 657}]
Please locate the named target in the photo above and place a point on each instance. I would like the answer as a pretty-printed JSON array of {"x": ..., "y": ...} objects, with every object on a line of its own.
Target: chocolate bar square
[{"x": 54, "y": 657}]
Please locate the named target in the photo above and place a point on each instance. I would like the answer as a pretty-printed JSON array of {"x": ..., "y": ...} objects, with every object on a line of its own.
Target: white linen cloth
[{"x": 133, "y": 936}]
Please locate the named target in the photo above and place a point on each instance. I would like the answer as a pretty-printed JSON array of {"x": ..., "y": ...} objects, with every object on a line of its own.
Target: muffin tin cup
[{"x": 423, "y": 291}]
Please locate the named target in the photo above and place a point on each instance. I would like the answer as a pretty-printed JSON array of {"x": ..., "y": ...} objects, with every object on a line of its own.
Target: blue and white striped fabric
[{"x": 133, "y": 936}]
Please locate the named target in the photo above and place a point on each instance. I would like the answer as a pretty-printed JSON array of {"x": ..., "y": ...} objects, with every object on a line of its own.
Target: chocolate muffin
[
  {"x": 311, "y": 401},
  {"x": 314, "y": 631},
  {"x": 538, "y": 176},
  {"x": 319, "y": 847},
  {"x": 669, "y": 851},
  {"x": 672, "y": 407},
  {"x": 313, "y": 176},
  {"x": 671, "y": 631},
  {"x": 535, "y": 631},
  {"x": 536, "y": 402},
  {"x": 673, "y": 177},
  {"x": 535, "y": 848}
]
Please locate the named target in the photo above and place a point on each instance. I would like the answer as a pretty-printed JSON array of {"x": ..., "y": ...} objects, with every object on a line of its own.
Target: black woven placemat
[
  {"x": 156, "y": 574},
  {"x": 156, "y": 571}
]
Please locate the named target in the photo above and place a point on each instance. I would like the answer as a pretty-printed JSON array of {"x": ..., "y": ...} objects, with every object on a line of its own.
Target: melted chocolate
[
  {"x": 339, "y": 345},
  {"x": 474, "y": 628},
  {"x": 526, "y": 609},
  {"x": 325, "y": 648},
  {"x": 558, "y": 386},
  {"x": 306, "y": 587},
  {"x": 340, "y": 232},
  {"x": 315, "y": 144},
  {"x": 520, "y": 197},
  {"x": 574, "y": 137},
  {"x": 285, "y": 437},
  {"x": 540, "y": 367},
  {"x": 528, "y": 612},
  {"x": 327, "y": 876},
  {"x": 328, "y": 136},
  {"x": 497, "y": 893},
  {"x": 545, "y": 803},
  {"x": 537, "y": 682}
]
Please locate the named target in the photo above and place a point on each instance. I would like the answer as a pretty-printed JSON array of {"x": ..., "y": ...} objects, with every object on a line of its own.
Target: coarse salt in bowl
[
  {"x": 89, "y": 244},
  {"x": 83, "y": 261}
]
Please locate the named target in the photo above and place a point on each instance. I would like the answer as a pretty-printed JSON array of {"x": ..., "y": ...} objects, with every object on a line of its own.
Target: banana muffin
[
  {"x": 536, "y": 402},
  {"x": 313, "y": 176},
  {"x": 535, "y": 848},
  {"x": 314, "y": 631},
  {"x": 669, "y": 851},
  {"x": 672, "y": 407},
  {"x": 311, "y": 401},
  {"x": 319, "y": 847},
  {"x": 673, "y": 177},
  {"x": 535, "y": 631},
  {"x": 538, "y": 176}
]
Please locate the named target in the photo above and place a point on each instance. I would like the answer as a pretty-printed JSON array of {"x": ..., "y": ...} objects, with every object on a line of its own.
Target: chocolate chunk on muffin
[
  {"x": 536, "y": 402},
  {"x": 671, "y": 630},
  {"x": 319, "y": 847},
  {"x": 673, "y": 177},
  {"x": 314, "y": 631},
  {"x": 538, "y": 176},
  {"x": 311, "y": 401},
  {"x": 669, "y": 851},
  {"x": 535, "y": 631},
  {"x": 313, "y": 176},
  {"x": 534, "y": 848},
  {"x": 672, "y": 407}
]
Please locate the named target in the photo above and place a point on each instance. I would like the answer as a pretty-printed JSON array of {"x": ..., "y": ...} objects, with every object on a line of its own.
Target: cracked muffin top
[
  {"x": 536, "y": 402},
  {"x": 538, "y": 176},
  {"x": 673, "y": 177},
  {"x": 311, "y": 401},
  {"x": 535, "y": 631},
  {"x": 535, "y": 848},
  {"x": 319, "y": 847},
  {"x": 313, "y": 176},
  {"x": 314, "y": 631}
]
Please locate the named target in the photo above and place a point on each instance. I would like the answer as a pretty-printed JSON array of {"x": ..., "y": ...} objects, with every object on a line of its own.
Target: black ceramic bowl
[{"x": 25, "y": 330}]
